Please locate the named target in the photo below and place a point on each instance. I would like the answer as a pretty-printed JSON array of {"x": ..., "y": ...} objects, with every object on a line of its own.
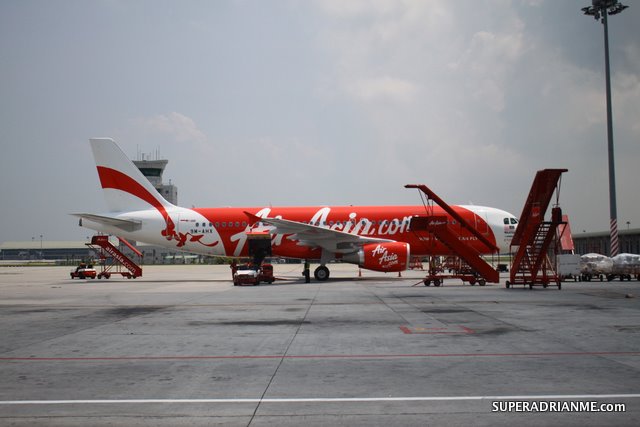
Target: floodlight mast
[{"x": 600, "y": 9}]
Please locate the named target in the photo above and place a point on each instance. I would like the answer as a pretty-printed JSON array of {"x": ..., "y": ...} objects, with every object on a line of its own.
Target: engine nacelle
[{"x": 387, "y": 257}]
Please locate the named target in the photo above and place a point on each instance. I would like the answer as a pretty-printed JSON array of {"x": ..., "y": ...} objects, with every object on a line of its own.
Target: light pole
[{"x": 600, "y": 9}]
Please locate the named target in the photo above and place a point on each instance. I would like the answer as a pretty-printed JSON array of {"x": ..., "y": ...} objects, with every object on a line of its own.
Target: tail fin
[{"x": 125, "y": 187}]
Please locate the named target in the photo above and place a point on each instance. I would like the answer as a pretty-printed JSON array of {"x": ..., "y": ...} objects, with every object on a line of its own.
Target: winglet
[{"x": 252, "y": 218}]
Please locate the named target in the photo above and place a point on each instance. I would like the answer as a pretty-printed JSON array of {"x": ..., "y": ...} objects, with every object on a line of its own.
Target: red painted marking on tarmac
[{"x": 317, "y": 356}]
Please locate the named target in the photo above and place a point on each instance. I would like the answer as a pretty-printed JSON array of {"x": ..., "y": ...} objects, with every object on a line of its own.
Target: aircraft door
[
  {"x": 259, "y": 246},
  {"x": 482, "y": 222}
]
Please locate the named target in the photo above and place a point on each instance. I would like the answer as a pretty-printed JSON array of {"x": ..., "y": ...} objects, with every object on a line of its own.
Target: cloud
[
  {"x": 626, "y": 88},
  {"x": 382, "y": 88},
  {"x": 472, "y": 99},
  {"x": 487, "y": 62},
  {"x": 174, "y": 125}
]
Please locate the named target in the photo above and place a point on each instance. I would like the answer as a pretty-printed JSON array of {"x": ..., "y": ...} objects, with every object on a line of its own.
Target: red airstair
[
  {"x": 566, "y": 237},
  {"x": 112, "y": 260},
  {"x": 535, "y": 238},
  {"x": 473, "y": 268}
]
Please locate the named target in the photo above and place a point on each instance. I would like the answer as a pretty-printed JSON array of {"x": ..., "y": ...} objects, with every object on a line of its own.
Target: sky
[{"x": 303, "y": 102}]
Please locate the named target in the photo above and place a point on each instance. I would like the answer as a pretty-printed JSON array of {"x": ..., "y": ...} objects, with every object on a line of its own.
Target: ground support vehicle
[
  {"x": 466, "y": 262},
  {"x": 457, "y": 268},
  {"x": 595, "y": 266},
  {"x": 537, "y": 240},
  {"x": 568, "y": 267},
  {"x": 112, "y": 260},
  {"x": 83, "y": 272},
  {"x": 248, "y": 274},
  {"x": 625, "y": 266}
]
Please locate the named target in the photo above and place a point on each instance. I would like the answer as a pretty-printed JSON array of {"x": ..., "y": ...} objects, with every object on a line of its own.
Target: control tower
[{"x": 153, "y": 170}]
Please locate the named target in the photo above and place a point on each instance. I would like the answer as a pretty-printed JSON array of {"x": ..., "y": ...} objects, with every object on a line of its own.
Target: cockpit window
[
  {"x": 506, "y": 221},
  {"x": 514, "y": 221}
]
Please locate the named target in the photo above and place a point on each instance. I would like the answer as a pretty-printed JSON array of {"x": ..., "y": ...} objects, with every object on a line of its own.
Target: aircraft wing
[
  {"x": 123, "y": 224},
  {"x": 314, "y": 236}
]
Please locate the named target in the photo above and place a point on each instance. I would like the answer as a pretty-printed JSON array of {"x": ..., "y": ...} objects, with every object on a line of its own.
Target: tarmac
[{"x": 182, "y": 346}]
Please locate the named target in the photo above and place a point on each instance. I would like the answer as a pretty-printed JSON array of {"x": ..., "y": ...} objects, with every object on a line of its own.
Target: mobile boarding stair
[
  {"x": 534, "y": 262},
  {"x": 112, "y": 260},
  {"x": 476, "y": 270}
]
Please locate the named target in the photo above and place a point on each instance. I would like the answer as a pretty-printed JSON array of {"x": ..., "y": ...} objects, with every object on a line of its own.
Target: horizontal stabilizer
[{"x": 123, "y": 224}]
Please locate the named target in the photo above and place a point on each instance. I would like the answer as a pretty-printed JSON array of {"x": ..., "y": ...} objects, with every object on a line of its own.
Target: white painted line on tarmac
[{"x": 322, "y": 399}]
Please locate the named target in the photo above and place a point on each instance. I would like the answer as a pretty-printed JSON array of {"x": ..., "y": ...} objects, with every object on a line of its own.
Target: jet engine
[{"x": 387, "y": 257}]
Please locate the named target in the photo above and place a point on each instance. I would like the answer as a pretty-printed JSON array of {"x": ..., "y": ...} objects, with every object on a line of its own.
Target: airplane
[{"x": 377, "y": 238}]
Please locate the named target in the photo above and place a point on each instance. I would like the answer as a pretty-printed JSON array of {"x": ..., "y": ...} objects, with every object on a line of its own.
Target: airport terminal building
[
  {"x": 600, "y": 242},
  {"x": 70, "y": 253}
]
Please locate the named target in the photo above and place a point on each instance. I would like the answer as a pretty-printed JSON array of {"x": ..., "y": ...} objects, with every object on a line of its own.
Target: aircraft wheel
[
  {"x": 507, "y": 284},
  {"x": 321, "y": 273},
  {"x": 530, "y": 285}
]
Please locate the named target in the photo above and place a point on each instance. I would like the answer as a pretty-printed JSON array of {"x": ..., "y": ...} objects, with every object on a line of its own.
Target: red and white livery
[{"x": 374, "y": 237}]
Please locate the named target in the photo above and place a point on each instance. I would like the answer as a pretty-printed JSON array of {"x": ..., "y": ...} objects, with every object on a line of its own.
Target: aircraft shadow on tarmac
[{"x": 280, "y": 281}]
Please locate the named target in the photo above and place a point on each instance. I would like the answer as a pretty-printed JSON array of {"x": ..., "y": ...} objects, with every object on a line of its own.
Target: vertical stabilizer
[{"x": 125, "y": 187}]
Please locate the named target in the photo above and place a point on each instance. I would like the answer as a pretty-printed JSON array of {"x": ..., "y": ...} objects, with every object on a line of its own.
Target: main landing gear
[{"x": 321, "y": 273}]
